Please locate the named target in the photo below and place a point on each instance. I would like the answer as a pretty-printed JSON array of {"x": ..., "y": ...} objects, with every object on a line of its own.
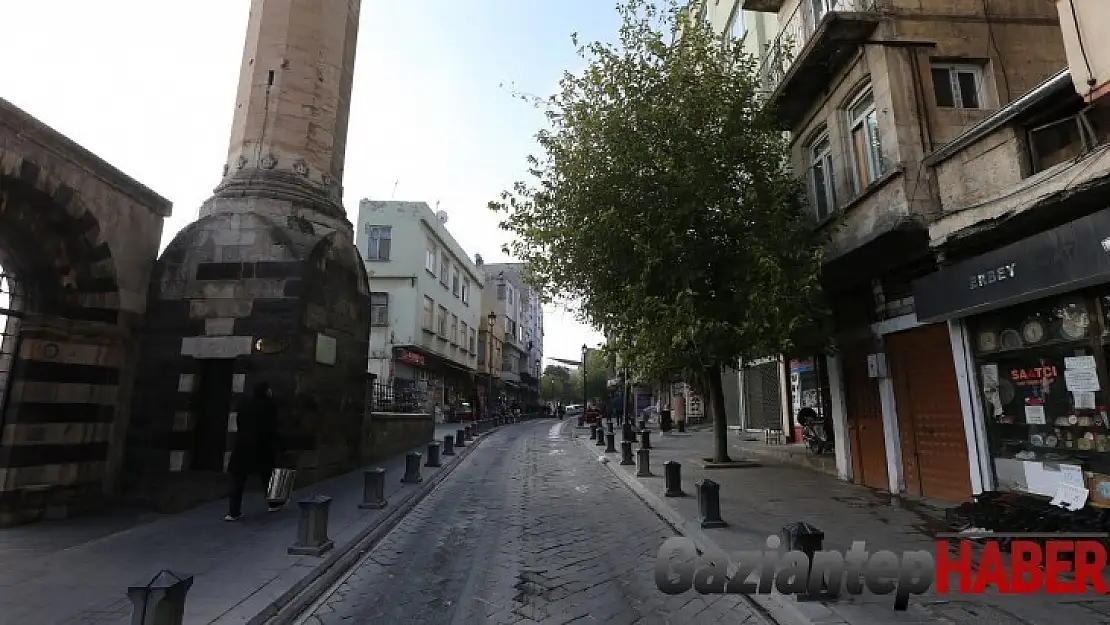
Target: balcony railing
[
  {"x": 402, "y": 396},
  {"x": 804, "y": 22}
]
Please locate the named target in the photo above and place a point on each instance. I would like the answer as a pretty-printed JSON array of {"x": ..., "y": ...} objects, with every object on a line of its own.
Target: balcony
[{"x": 818, "y": 39}]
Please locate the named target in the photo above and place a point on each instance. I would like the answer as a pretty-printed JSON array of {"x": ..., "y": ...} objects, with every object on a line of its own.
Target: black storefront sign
[{"x": 1070, "y": 257}]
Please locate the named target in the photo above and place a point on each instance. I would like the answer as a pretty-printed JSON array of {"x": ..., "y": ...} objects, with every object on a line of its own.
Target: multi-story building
[
  {"x": 868, "y": 89},
  {"x": 426, "y": 302},
  {"x": 729, "y": 19},
  {"x": 519, "y": 316}
]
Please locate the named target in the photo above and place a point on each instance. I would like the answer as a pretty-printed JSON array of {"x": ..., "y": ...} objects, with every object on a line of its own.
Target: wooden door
[
  {"x": 930, "y": 419},
  {"x": 865, "y": 420}
]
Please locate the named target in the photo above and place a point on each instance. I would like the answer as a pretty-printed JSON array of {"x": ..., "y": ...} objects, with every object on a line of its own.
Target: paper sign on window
[
  {"x": 1081, "y": 380},
  {"x": 1034, "y": 414}
]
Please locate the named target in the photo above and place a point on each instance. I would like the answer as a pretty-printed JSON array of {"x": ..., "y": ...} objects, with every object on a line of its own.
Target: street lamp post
[
  {"x": 585, "y": 391},
  {"x": 492, "y": 319}
]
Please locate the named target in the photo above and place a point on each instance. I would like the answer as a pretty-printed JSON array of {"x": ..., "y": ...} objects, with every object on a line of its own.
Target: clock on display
[
  {"x": 988, "y": 341},
  {"x": 1033, "y": 331}
]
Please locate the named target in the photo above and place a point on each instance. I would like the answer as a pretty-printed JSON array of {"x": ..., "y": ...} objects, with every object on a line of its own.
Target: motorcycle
[{"x": 817, "y": 433}]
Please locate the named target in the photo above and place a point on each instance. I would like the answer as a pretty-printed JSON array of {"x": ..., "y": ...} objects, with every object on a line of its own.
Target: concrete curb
[
  {"x": 288, "y": 607},
  {"x": 775, "y": 608}
]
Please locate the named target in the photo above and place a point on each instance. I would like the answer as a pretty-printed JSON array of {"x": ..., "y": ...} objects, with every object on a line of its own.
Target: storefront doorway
[
  {"x": 865, "y": 420},
  {"x": 930, "y": 420}
]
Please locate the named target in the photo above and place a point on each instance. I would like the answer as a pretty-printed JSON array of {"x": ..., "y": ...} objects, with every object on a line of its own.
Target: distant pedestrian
[{"x": 256, "y": 447}]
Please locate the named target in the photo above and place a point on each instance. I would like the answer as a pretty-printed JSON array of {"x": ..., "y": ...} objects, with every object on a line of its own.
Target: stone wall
[{"x": 388, "y": 434}]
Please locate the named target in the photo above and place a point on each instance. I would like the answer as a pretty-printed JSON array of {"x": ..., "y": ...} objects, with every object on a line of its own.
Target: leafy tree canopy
[{"x": 663, "y": 200}]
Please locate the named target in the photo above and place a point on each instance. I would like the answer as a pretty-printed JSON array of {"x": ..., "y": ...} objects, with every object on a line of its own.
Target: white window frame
[
  {"x": 473, "y": 340},
  {"x": 466, "y": 291},
  {"x": 443, "y": 322},
  {"x": 374, "y": 237},
  {"x": 456, "y": 281},
  {"x": 431, "y": 254},
  {"x": 444, "y": 268},
  {"x": 875, "y": 165},
  {"x": 454, "y": 336},
  {"x": 953, "y": 70},
  {"x": 429, "y": 314},
  {"x": 738, "y": 17},
  {"x": 824, "y": 156},
  {"x": 379, "y": 309},
  {"x": 815, "y": 15}
]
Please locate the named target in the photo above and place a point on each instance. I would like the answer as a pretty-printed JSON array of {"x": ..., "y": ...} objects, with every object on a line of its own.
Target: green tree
[
  {"x": 557, "y": 384},
  {"x": 663, "y": 201}
]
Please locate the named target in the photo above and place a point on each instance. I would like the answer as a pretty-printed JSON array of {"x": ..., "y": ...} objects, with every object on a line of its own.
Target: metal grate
[
  {"x": 403, "y": 396},
  {"x": 763, "y": 397},
  {"x": 11, "y": 315}
]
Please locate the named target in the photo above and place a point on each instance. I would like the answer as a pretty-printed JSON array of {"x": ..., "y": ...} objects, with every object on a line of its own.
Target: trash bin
[
  {"x": 665, "y": 422},
  {"x": 802, "y": 536}
]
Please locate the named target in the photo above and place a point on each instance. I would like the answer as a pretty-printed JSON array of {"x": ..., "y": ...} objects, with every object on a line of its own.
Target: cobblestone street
[{"x": 530, "y": 530}]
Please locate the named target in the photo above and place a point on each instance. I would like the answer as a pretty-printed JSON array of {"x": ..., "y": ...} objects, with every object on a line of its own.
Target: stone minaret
[{"x": 267, "y": 284}]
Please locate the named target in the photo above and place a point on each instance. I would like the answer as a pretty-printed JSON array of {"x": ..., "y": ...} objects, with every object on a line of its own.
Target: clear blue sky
[{"x": 149, "y": 85}]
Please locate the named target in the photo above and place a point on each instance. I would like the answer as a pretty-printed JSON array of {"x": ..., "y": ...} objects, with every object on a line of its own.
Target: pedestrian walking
[{"x": 256, "y": 447}]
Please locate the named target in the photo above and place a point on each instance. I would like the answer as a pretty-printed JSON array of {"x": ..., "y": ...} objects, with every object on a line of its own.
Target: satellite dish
[{"x": 442, "y": 215}]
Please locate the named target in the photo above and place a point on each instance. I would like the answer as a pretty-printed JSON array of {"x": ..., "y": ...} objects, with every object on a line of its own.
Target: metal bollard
[
  {"x": 476, "y": 428},
  {"x": 626, "y": 454},
  {"x": 593, "y": 431},
  {"x": 629, "y": 433},
  {"x": 600, "y": 437},
  {"x": 433, "y": 455},
  {"x": 643, "y": 463},
  {"x": 612, "y": 428},
  {"x": 412, "y": 468},
  {"x": 681, "y": 426},
  {"x": 469, "y": 433},
  {"x": 643, "y": 424},
  {"x": 448, "y": 445},
  {"x": 645, "y": 439},
  {"x": 709, "y": 504},
  {"x": 610, "y": 443},
  {"x": 672, "y": 477},
  {"x": 312, "y": 530},
  {"x": 373, "y": 489},
  {"x": 460, "y": 438},
  {"x": 161, "y": 601}
]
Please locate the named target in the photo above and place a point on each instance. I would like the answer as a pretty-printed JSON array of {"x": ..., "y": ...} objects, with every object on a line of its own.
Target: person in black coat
[{"x": 256, "y": 447}]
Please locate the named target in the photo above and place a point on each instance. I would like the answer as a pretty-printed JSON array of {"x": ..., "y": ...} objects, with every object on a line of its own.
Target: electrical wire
[{"x": 1082, "y": 47}]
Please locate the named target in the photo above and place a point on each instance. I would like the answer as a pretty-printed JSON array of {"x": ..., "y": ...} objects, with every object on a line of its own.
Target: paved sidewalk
[
  {"x": 78, "y": 570},
  {"x": 757, "y": 501}
]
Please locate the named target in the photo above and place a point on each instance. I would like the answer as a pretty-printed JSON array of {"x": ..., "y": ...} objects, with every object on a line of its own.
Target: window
[
  {"x": 429, "y": 308},
  {"x": 464, "y": 331},
  {"x": 456, "y": 283},
  {"x": 1056, "y": 142},
  {"x": 958, "y": 86},
  {"x": 430, "y": 258},
  {"x": 473, "y": 340},
  {"x": 481, "y": 352},
  {"x": 821, "y": 177},
  {"x": 454, "y": 330},
  {"x": 510, "y": 296},
  {"x": 444, "y": 268},
  {"x": 737, "y": 26},
  {"x": 378, "y": 242},
  {"x": 867, "y": 150},
  {"x": 379, "y": 309},
  {"x": 501, "y": 291},
  {"x": 466, "y": 291},
  {"x": 817, "y": 10},
  {"x": 443, "y": 322}
]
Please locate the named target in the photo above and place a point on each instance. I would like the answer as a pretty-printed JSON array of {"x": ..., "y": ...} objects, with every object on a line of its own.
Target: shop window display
[{"x": 1040, "y": 375}]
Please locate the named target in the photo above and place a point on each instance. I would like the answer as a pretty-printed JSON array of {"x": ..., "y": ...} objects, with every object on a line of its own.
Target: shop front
[{"x": 1034, "y": 319}]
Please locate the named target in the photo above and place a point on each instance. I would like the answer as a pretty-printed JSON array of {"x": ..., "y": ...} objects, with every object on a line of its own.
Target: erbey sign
[{"x": 1056, "y": 564}]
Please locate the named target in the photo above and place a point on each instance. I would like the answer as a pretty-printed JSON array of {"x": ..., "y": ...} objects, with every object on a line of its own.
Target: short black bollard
[
  {"x": 312, "y": 530},
  {"x": 612, "y": 428},
  {"x": 643, "y": 463},
  {"x": 610, "y": 443},
  {"x": 593, "y": 431},
  {"x": 476, "y": 429},
  {"x": 681, "y": 426},
  {"x": 581, "y": 422},
  {"x": 433, "y": 455},
  {"x": 643, "y": 424},
  {"x": 629, "y": 432},
  {"x": 672, "y": 477},
  {"x": 807, "y": 538},
  {"x": 645, "y": 439},
  {"x": 709, "y": 504},
  {"x": 412, "y": 468},
  {"x": 469, "y": 433},
  {"x": 626, "y": 454},
  {"x": 373, "y": 489},
  {"x": 460, "y": 438},
  {"x": 161, "y": 601},
  {"x": 448, "y": 445},
  {"x": 600, "y": 437}
]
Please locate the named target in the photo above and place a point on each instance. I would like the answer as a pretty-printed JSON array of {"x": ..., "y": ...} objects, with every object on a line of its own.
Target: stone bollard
[
  {"x": 611, "y": 428},
  {"x": 468, "y": 432},
  {"x": 460, "y": 438},
  {"x": 709, "y": 504},
  {"x": 629, "y": 433},
  {"x": 373, "y": 489},
  {"x": 600, "y": 437},
  {"x": 672, "y": 477},
  {"x": 681, "y": 426},
  {"x": 643, "y": 463},
  {"x": 626, "y": 454},
  {"x": 161, "y": 601},
  {"x": 412, "y": 468},
  {"x": 312, "y": 530},
  {"x": 448, "y": 445},
  {"x": 593, "y": 431},
  {"x": 645, "y": 439},
  {"x": 610, "y": 443},
  {"x": 433, "y": 455}
]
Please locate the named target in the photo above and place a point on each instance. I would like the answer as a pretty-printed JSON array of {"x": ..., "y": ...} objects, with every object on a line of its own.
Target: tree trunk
[{"x": 720, "y": 418}]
